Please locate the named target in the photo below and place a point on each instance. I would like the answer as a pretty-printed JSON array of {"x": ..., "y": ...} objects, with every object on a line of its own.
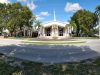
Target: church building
[{"x": 55, "y": 29}]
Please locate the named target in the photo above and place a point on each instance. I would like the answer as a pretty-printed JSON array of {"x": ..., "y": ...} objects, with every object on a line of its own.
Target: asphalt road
[{"x": 51, "y": 53}]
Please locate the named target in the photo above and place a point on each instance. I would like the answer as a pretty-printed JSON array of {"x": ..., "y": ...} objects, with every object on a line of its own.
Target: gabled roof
[{"x": 62, "y": 24}]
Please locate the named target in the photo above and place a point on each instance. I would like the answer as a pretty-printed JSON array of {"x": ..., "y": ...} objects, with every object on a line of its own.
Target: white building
[{"x": 55, "y": 29}]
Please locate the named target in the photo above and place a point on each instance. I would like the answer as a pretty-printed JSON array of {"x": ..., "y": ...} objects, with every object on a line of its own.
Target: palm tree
[
  {"x": 72, "y": 26},
  {"x": 37, "y": 26},
  {"x": 98, "y": 14}
]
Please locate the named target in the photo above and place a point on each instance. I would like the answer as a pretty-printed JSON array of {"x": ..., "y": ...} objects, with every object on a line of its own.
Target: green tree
[
  {"x": 72, "y": 25},
  {"x": 19, "y": 16},
  {"x": 85, "y": 22},
  {"x": 15, "y": 16},
  {"x": 98, "y": 10},
  {"x": 98, "y": 15},
  {"x": 2, "y": 16},
  {"x": 37, "y": 25}
]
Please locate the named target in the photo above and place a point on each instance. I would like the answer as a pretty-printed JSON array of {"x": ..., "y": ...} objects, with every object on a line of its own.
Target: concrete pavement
[{"x": 51, "y": 53}]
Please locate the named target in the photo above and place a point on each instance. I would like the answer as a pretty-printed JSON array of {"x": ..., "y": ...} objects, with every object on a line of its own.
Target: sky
[{"x": 64, "y": 9}]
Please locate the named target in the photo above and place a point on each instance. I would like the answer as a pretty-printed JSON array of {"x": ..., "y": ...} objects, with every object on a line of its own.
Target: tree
[
  {"x": 98, "y": 10},
  {"x": 37, "y": 25},
  {"x": 15, "y": 16},
  {"x": 85, "y": 22},
  {"x": 72, "y": 26},
  {"x": 20, "y": 16},
  {"x": 2, "y": 16},
  {"x": 98, "y": 15}
]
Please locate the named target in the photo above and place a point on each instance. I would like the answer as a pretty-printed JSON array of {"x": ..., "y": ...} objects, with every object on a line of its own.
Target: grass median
[{"x": 52, "y": 42}]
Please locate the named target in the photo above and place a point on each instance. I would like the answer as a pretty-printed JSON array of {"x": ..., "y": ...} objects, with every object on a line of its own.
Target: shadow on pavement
[{"x": 49, "y": 53}]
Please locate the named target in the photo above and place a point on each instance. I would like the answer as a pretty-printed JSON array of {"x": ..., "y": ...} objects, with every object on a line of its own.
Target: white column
[
  {"x": 65, "y": 31},
  {"x": 52, "y": 31},
  {"x": 43, "y": 32},
  {"x": 57, "y": 31},
  {"x": 68, "y": 30}
]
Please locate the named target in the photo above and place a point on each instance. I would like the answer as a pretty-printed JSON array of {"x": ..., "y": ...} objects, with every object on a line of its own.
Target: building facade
[{"x": 55, "y": 29}]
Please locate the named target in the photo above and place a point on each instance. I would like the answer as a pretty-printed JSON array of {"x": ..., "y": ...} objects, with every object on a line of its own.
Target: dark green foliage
[
  {"x": 30, "y": 68},
  {"x": 88, "y": 67},
  {"x": 6, "y": 69},
  {"x": 2, "y": 16},
  {"x": 85, "y": 22},
  {"x": 14, "y": 17},
  {"x": 98, "y": 10}
]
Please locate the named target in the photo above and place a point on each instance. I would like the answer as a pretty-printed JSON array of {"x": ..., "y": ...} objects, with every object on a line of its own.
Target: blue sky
[{"x": 64, "y": 9}]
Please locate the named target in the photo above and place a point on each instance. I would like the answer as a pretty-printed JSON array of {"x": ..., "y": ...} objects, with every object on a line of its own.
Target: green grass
[
  {"x": 31, "y": 38},
  {"x": 54, "y": 42},
  {"x": 87, "y": 67},
  {"x": 85, "y": 37}
]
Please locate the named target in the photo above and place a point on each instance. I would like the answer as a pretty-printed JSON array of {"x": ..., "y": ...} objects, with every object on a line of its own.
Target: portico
[{"x": 54, "y": 29}]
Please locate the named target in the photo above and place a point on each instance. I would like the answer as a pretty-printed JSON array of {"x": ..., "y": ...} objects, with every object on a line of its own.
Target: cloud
[
  {"x": 39, "y": 17},
  {"x": 4, "y": 1},
  {"x": 42, "y": 15},
  {"x": 22, "y": 0},
  {"x": 72, "y": 7},
  {"x": 31, "y": 5}
]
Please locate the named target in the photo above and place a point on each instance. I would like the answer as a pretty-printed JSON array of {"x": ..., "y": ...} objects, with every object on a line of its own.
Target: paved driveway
[{"x": 51, "y": 53}]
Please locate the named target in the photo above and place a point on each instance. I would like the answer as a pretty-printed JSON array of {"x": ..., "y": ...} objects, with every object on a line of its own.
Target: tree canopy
[
  {"x": 85, "y": 22},
  {"x": 97, "y": 12},
  {"x": 98, "y": 9},
  {"x": 98, "y": 15},
  {"x": 14, "y": 16}
]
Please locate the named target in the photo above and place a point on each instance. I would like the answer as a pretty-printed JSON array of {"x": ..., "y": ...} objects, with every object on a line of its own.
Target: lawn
[{"x": 53, "y": 42}]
